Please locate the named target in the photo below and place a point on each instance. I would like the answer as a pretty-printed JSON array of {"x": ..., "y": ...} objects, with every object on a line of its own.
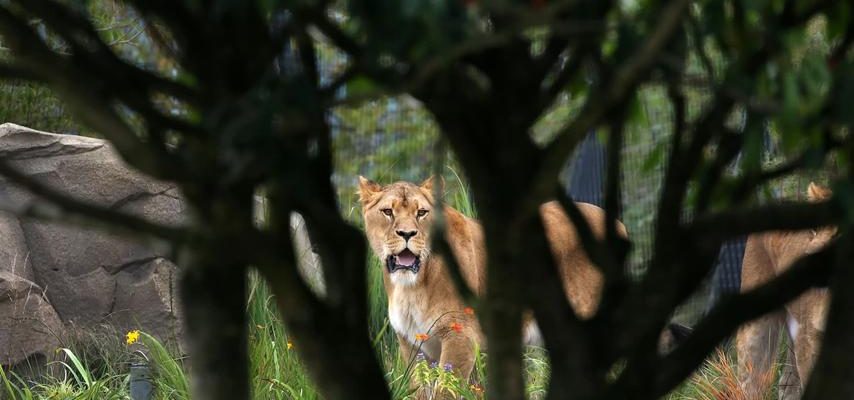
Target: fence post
[{"x": 141, "y": 387}]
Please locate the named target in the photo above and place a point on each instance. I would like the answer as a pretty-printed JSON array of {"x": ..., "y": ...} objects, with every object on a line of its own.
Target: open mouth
[{"x": 405, "y": 260}]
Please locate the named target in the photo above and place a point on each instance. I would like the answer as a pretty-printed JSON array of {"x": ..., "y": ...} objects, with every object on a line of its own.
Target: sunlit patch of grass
[
  {"x": 718, "y": 379},
  {"x": 276, "y": 371},
  {"x": 537, "y": 372},
  {"x": 76, "y": 382}
]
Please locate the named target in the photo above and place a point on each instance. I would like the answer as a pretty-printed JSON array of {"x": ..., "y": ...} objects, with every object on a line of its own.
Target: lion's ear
[
  {"x": 428, "y": 184},
  {"x": 367, "y": 189},
  {"x": 818, "y": 192}
]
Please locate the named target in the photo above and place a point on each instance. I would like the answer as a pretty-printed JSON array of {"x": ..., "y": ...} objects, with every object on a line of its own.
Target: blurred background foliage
[{"x": 389, "y": 138}]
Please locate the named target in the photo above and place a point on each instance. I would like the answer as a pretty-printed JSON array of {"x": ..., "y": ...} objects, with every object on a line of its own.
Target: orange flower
[
  {"x": 422, "y": 337},
  {"x": 468, "y": 311},
  {"x": 456, "y": 327},
  {"x": 477, "y": 389}
]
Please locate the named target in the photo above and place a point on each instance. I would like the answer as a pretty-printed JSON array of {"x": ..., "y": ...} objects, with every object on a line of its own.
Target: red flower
[
  {"x": 456, "y": 327},
  {"x": 468, "y": 311}
]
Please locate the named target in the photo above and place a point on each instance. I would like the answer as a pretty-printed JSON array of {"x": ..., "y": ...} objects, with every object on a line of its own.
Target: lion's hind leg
[
  {"x": 789, "y": 386},
  {"x": 757, "y": 343}
]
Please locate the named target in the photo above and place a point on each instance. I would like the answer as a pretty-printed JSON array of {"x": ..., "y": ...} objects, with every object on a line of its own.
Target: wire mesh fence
[{"x": 392, "y": 138}]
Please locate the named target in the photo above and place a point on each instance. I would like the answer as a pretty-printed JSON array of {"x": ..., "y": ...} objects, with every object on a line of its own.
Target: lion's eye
[
  {"x": 422, "y": 213},
  {"x": 387, "y": 211}
]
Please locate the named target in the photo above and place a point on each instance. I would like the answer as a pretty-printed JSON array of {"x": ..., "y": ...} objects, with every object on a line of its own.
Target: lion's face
[{"x": 397, "y": 223}]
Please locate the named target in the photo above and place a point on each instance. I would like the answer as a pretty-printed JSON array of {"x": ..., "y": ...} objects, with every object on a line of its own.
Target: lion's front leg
[
  {"x": 407, "y": 350},
  {"x": 458, "y": 356}
]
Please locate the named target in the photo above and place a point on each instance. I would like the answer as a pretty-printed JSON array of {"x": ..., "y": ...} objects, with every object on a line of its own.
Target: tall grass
[
  {"x": 717, "y": 379},
  {"x": 276, "y": 371},
  {"x": 77, "y": 382},
  {"x": 171, "y": 382},
  {"x": 100, "y": 371}
]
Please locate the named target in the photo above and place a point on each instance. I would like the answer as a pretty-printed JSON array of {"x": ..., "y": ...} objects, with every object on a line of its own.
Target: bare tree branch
[
  {"x": 103, "y": 65},
  {"x": 342, "y": 79},
  {"x": 491, "y": 40},
  {"x": 729, "y": 145},
  {"x": 791, "y": 216},
  {"x": 88, "y": 47},
  {"x": 831, "y": 374},
  {"x": 82, "y": 97},
  {"x": 624, "y": 80},
  {"x": 810, "y": 271},
  {"x": 668, "y": 282},
  {"x": 750, "y": 181},
  {"x": 565, "y": 73},
  {"x": 308, "y": 57},
  {"x": 332, "y": 31},
  {"x": 15, "y": 72},
  {"x": 439, "y": 232},
  {"x": 613, "y": 194},
  {"x": 424, "y": 71},
  {"x": 595, "y": 249}
]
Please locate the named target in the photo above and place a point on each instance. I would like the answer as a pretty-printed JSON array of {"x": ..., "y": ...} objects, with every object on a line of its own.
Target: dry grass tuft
[{"x": 718, "y": 380}]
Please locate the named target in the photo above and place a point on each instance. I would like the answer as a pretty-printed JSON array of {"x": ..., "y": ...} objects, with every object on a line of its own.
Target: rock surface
[
  {"x": 29, "y": 326},
  {"x": 53, "y": 276},
  {"x": 57, "y": 279}
]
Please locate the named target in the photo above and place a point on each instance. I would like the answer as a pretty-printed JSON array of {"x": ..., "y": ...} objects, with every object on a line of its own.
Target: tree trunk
[
  {"x": 503, "y": 318},
  {"x": 213, "y": 295},
  {"x": 832, "y": 377}
]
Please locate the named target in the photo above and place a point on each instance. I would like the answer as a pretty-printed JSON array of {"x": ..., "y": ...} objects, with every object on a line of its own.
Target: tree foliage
[{"x": 238, "y": 104}]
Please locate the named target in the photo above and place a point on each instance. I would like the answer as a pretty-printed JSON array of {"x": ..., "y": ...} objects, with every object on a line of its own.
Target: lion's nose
[{"x": 406, "y": 234}]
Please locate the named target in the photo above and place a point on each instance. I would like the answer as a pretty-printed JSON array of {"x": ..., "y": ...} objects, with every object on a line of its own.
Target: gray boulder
[
  {"x": 29, "y": 327},
  {"x": 53, "y": 275},
  {"x": 58, "y": 278}
]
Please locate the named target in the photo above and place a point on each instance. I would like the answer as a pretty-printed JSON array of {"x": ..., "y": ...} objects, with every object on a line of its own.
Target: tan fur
[
  {"x": 427, "y": 302},
  {"x": 766, "y": 256}
]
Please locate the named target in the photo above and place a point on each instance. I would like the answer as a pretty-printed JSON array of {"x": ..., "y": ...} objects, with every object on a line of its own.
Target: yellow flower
[
  {"x": 422, "y": 337},
  {"x": 290, "y": 345},
  {"x": 132, "y": 336}
]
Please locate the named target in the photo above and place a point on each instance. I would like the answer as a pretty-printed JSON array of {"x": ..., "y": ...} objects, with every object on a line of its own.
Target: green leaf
[
  {"x": 361, "y": 86},
  {"x": 654, "y": 158},
  {"x": 637, "y": 113}
]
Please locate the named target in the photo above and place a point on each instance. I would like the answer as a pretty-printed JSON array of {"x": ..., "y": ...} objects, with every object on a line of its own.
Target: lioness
[
  {"x": 766, "y": 256},
  {"x": 423, "y": 305}
]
